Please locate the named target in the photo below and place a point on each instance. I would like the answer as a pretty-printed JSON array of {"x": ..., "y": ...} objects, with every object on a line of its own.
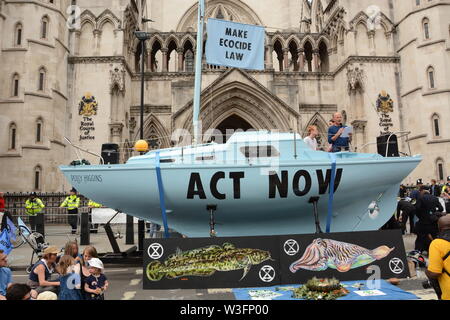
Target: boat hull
[{"x": 249, "y": 201}]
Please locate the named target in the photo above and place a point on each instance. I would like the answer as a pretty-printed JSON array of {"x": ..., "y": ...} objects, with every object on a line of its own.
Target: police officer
[
  {"x": 426, "y": 229},
  {"x": 91, "y": 205},
  {"x": 33, "y": 207},
  {"x": 72, "y": 202}
]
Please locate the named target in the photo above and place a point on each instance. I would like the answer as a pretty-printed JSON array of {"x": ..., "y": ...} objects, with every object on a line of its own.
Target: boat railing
[
  {"x": 77, "y": 149},
  {"x": 398, "y": 134}
]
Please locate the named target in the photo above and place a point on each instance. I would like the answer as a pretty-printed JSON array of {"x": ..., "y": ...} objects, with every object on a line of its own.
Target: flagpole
[{"x": 198, "y": 71}]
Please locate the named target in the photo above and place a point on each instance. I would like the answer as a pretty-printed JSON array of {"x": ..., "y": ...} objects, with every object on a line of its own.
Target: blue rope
[
  {"x": 331, "y": 195},
  {"x": 162, "y": 203}
]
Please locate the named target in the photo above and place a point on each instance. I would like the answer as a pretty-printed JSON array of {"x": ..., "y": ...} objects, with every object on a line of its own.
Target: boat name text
[{"x": 88, "y": 178}]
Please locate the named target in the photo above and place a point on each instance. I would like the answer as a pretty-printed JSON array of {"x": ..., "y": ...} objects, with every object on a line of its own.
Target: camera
[{"x": 433, "y": 283}]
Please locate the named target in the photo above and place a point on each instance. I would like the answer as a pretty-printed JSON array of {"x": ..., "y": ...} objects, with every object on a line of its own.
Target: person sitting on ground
[
  {"x": 439, "y": 257},
  {"x": 311, "y": 140},
  {"x": 19, "y": 291},
  {"x": 41, "y": 274},
  {"x": 70, "y": 279},
  {"x": 96, "y": 284},
  {"x": 71, "y": 249},
  {"x": 335, "y": 132},
  {"x": 5, "y": 275}
]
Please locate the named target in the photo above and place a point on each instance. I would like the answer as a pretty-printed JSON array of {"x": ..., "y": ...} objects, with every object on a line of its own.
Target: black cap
[
  {"x": 73, "y": 190},
  {"x": 33, "y": 194},
  {"x": 419, "y": 181},
  {"x": 448, "y": 178}
]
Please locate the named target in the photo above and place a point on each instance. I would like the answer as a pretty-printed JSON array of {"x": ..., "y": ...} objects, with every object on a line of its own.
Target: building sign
[
  {"x": 87, "y": 108},
  {"x": 239, "y": 262},
  {"x": 385, "y": 105},
  {"x": 235, "y": 45}
]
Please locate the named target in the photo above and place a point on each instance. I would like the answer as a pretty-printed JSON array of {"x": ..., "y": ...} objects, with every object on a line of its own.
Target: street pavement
[{"x": 126, "y": 281}]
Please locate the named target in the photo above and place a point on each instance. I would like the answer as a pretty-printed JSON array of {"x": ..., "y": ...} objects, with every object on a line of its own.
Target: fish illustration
[
  {"x": 204, "y": 262},
  {"x": 322, "y": 254}
]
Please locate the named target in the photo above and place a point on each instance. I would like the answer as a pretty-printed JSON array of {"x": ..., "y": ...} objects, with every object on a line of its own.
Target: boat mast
[{"x": 198, "y": 71}]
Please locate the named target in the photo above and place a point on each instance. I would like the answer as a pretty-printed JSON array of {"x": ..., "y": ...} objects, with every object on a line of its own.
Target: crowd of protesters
[{"x": 67, "y": 275}]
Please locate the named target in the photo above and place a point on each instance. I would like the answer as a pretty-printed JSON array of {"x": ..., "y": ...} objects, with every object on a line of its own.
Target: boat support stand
[
  {"x": 212, "y": 223},
  {"x": 115, "y": 246},
  {"x": 314, "y": 201}
]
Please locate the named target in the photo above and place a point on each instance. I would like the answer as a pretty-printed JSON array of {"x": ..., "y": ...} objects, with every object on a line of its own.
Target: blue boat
[{"x": 261, "y": 183}]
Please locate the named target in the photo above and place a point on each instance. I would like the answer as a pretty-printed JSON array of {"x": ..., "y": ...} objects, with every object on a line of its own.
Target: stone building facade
[{"x": 75, "y": 72}]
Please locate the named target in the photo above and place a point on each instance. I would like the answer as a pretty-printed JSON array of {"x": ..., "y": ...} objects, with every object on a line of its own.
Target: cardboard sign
[{"x": 242, "y": 262}]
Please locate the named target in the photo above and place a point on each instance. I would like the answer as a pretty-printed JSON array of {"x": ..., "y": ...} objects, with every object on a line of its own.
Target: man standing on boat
[
  {"x": 336, "y": 136},
  {"x": 72, "y": 202}
]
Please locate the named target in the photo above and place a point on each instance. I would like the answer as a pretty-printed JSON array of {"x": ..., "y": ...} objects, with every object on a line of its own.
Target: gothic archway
[{"x": 230, "y": 125}]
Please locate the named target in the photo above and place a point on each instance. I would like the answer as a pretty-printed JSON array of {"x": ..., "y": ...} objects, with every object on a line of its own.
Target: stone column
[
  {"x": 301, "y": 59},
  {"x": 371, "y": 35},
  {"x": 164, "y": 59},
  {"x": 97, "y": 38},
  {"x": 269, "y": 57},
  {"x": 76, "y": 45},
  {"x": 389, "y": 39},
  {"x": 180, "y": 52},
  {"x": 149, "y": 59},
  {"x": 316, "y": 65},
  {"x": 286, "y": 59}
]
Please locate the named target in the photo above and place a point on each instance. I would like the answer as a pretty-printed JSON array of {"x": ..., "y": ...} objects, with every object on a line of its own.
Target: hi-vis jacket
[
  {"x": 71, "y": 202},
  {"x": 33, "y": 207},
  {"x": 92, "y": 204}
]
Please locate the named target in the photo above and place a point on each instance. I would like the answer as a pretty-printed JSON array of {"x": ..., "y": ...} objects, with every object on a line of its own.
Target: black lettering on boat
[
  {"x": 295, "y": 183},
  {"x": 275, "y": 183},
  {"x": 237, "y": 176},
  {"x": 195, "y": 187},
  {"x": 324, "y": 183},
  {"x": 213, "y": 185}
]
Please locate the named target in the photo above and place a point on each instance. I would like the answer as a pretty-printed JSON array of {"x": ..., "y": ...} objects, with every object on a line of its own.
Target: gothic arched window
[
  {"x": 431, "y": 78},
  {"x": 45, "y": 22},
  {"x": 426, "y": 28},
  {"x": 15, "y": 85},
  {"x": 18, "y": 33}
]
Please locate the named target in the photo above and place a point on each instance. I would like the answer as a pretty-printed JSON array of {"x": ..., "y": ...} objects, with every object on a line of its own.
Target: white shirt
[{"x": 312, "y": 143}]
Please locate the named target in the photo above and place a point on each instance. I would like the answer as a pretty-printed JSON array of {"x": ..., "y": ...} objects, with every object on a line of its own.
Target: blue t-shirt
[
  {"x": 340, "y": 142},
  {"x": 5, "y": 279},
  {"x": 94, "y": 283}
]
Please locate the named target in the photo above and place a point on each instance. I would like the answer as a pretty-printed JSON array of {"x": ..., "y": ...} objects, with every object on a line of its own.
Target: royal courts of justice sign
[{"x": 233, "y": 44}]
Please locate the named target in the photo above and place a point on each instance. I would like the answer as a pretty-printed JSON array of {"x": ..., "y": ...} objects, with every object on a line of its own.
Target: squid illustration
[{"x": 322, "y": 254}]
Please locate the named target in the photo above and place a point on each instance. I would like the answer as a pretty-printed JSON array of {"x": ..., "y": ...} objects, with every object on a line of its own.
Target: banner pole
[{"x": 198, "y": 71}]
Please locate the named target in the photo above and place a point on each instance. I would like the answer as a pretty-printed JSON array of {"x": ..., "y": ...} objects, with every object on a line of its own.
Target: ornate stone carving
[
  {"x": 116, "y": 129},
  {"x": 117, "y": 79},
  {"x": 355, "y": 79}
]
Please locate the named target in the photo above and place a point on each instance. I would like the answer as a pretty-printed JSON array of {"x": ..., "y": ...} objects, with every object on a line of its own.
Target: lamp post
[{"x": 142, "y": 36}]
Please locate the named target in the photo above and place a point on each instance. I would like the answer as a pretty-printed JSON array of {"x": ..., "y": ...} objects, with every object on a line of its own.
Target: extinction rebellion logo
[{"x": 87, "y": 108}]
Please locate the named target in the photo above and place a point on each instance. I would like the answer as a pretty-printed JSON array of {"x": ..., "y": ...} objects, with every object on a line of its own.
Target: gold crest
[
  {"x": 88, "y": 106},
  {"x": 384, "y": 103}
]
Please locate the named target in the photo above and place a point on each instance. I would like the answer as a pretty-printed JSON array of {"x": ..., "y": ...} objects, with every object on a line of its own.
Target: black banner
[
  {"x": 186, "y": 263},
  {"x": 346, "y": 256},
  {"x": 240, "y": 262}
]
